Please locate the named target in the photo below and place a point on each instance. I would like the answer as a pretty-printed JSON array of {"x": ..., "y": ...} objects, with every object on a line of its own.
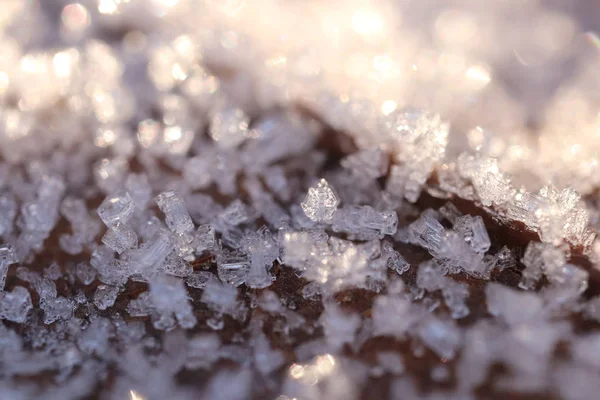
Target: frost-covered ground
[{"x": 229, "y": 199}]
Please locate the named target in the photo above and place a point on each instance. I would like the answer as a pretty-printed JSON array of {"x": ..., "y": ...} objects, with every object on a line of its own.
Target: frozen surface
[{"x": 353, "y": 200}]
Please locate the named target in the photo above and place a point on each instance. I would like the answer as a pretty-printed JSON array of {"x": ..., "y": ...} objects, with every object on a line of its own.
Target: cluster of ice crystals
[
  {"x": 192, "y": 132},
  {"x": 364, "y": 222}
]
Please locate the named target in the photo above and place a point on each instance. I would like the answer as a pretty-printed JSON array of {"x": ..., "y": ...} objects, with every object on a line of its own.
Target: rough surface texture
[{"x": 352, "y": 201}]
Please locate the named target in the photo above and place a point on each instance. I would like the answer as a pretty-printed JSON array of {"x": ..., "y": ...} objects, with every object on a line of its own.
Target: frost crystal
[
  {"x": 115, "y": 209},
  {"x": 119, "y": 237},
  {"x": 364, "y": 222},
  {"x": 153, "y": 161},
  {"x": 474, "y": 232},
  {"x": 15, "y": 305},
  {"x": 177, "y": 217},
  {"x": 105, "y": 296},
  {"x": 7, "y": 257},
  {"x": 170, "y": 301},
  {"x": 320, "y": 202}
]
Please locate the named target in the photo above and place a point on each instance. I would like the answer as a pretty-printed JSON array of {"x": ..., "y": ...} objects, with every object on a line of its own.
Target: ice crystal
[{"x": 320, "y": 202}]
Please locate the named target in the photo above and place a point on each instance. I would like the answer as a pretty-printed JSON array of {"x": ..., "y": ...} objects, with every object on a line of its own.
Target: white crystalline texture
[
  {"x": 120, "y": 237},
  {"x": 105, "y": 296},
  {"x": 154, "y": 251},
  {"x": 139, "y": 189},
  {"x": 15, "y": 305},
  {"x": 8, "y": 211},
  {"x": 41, "y": 215},
  {"x": 205, "y": 239},
  {"x": 200, "y": 351},
  {"x": 490, "y": 184},
  {"x": 110, "y": 173},
  {"x": 229, "y": 126},
  {"x": 503, "y": 259},
  {"x": 199, "y": 279},
  {"x": 474, "y": 232},
  {"x": 320, "y": 202},
  {"x": 169, "y": 299},
  {"x": 513, "y": 306},
  {"x": 457, "y": 255},
  {"x": 265, "y": 204},
  {"x": 176, "y": 266},
  {"x": 455, "y": 296},
  {"x": 141, "y": 306},
  {"x": 266, "y": 358},
  {"x": 540, "y": 258},
  {"x": 277, "y": 136},
  {"x": 59, "y": 308},
  {"x": 427, "y": 232},
  {"x": 85, "y": 273},
  {"x": 393, "y": 259},
  {"x": 393, "y": 316},
  {"x": 116, "y": 208},
  {"x": 431, "y": 278},
  {"x": 233, "y": 269},
  {"x": 262, "y": 249},
  {"x": 339, "y": 327},
  {"x": 418, "y": 140},
  {"x": 568, "y": 282},
  {"x": 220, "y": 297},
  {"x": 443, "y": 337},
  {"x": 365, "y": 222},
  {"x": 177, "y": 217},
  {"x": 367, "y": 164},
  {"x": 450, "y": 212},
  {"x": 236, "y": 213},
  {"x": 7, "y": 257},
  {"x": 196, "y": 171}
]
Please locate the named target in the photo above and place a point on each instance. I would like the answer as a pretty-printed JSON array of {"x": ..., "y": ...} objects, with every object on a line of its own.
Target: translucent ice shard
[
  {"x": 7, "y": 257},
  {"x": 418, "y": 139},
  {"x": 105, "y": 296},
  {"x": 321, "y": 202},
  {"x": 59, "y": 308},
  {"x": 153, "y": 252},
  {"x": 233, "y": 271},
  {"x": 474, "y": 232},
  {"x": 262, "y": 249},
  {"x": 364, "y": 222},
  {"x": 427, "y": 232},
  {"x": 15, "y": 305},
  {"x": 120, "y": 237},
  {"x": 205, "y": 238},
  {"x": 177, "y": 217},
  {"x": 116, "y": 208}
]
